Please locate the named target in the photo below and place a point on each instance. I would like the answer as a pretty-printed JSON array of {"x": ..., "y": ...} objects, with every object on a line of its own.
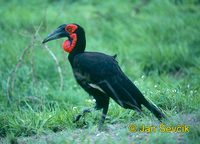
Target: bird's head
[{"x": 74, "y": 33}]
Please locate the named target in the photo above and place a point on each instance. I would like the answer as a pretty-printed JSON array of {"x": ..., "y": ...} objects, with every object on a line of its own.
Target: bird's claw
[{"x": 77, "y": 118}]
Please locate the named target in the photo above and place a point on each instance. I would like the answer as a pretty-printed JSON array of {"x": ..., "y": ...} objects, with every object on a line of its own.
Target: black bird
[{"x": 99, "y": 74}]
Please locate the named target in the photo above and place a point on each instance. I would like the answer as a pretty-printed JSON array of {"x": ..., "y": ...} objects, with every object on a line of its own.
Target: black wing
[{"x": 102, "y": 72}]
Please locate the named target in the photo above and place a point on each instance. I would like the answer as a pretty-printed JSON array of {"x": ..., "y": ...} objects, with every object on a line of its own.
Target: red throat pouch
[{"x": 68, "y": 45}]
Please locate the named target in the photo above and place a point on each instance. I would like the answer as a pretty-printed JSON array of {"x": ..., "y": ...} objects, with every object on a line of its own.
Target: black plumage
[{"x": 100, "y": 76}]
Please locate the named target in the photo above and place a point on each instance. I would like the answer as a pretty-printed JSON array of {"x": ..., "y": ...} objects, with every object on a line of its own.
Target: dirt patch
[{"x": 114, "y": 133}]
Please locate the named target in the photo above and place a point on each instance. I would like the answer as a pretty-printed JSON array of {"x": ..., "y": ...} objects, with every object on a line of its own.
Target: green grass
[{"x": 158, "y": 47}]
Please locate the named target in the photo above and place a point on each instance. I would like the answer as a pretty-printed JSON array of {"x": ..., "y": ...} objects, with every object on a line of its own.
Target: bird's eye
[{"x": 69, "y": 29}]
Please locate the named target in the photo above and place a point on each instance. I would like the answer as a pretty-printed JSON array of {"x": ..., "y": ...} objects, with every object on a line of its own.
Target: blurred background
[{"x": 157, "y": 45}]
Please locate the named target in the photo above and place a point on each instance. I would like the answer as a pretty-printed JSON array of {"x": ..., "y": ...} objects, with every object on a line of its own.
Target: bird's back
[
  {"x": 103, "y": 71},
  {"x": 97, "y": 66}
]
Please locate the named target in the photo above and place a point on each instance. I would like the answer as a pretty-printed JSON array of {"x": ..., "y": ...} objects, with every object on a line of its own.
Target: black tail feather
[
  {"x": 140, "y": 99},
  {"x": 155, "y": 110},
  {"x": 120, "y": 94},
  {"x": 127, "y": 95}
]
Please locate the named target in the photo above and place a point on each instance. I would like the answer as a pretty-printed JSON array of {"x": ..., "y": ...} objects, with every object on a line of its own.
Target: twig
[
  {"x": 32, "y": 68},
  {"x": 12, "y": 76},
  {"x": 57, "y": 64}
]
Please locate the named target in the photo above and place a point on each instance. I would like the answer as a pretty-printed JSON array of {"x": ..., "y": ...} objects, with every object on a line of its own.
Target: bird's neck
[{"x": 79, "y": 48}]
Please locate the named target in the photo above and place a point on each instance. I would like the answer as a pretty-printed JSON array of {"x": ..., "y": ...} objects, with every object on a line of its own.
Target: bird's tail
[
  {"x": 127, "y": 95},
  {"x": 154, "y": 109}
]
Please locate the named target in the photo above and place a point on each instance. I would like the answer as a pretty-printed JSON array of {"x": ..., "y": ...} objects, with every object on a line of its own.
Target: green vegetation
[{"x": 157, "y": 45}]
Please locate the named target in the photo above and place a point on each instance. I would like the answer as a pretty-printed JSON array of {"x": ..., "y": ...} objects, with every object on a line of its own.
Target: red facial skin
[{"x": 68, "y": 46}]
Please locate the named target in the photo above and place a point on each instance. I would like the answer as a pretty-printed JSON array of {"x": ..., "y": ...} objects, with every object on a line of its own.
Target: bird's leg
[
  {"x": 103, "y": 117},
  {"x": 83, "y": 113}
]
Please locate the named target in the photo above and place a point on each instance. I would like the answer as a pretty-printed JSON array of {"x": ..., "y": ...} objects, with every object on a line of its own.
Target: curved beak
[{"x": 58, "y": 33}]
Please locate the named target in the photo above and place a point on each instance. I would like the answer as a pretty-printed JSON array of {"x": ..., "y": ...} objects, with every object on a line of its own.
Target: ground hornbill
[{"x": 99, "y": 74}]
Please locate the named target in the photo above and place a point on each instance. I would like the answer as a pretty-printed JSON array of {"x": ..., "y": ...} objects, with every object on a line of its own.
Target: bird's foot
[
  {"x": 102, "y": 127},
  {"x": 77, "y": 118}
]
